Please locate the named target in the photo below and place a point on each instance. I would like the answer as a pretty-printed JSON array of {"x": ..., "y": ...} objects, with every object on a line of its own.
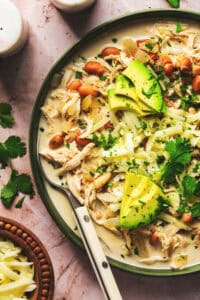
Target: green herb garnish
[
  {"x": 13, "y": 147},
  {"x": 174, "y": 3},
  {"x": 114, "y": 40},
  {"x": 180, "y": 155},
  {"x": 149, "y": 46},
  {"x": 102, "y": 77},
  {"x": 17, "y": 183},
  {"x": 143, "y": 125},
  {"x": 178, "y": 27},
  {"x": 78, "y": 74},
  {"x": 6, "y": 118},
  {"x": 103, "y": 141}
]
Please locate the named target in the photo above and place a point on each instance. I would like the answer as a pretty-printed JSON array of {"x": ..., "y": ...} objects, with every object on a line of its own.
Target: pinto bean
[
  {"x": 187, "y": 217},
  {"x": 94, "y": 67},
  {"x": 144, "y": 41},
  {"x": 168, "y": 69},
  {"x": 185, "y": 64},
  {"x": 82, "y": 142},
  {"x": 110, "y": 51},
  {"x": 196, "y": 83},
  {"x": 74, "y": 85},
  {"x": 87, "y": 89},
  {"x": 165, "y": 59},
  {"x": 154, "y": 238},
  {"x": 108, "y": 125},
  {"x": 56, "y": 141}
]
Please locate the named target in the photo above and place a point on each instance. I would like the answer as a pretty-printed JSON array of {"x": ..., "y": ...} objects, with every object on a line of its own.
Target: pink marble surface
[{"x": 20, "y": 78}]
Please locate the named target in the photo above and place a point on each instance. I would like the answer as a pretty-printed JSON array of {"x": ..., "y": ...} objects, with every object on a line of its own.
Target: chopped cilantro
[
  {"x": 6, "y": 118},
  {"x": 143, "y": 125},
  {"x": 136, "y": 251},
  {"x": 183, "y": 89},
  {"x": 160, "y": 159},
  {"x": 101, "y": 169},
  {"x": 132, "y": 165},
  {"x": 110, "y": 183},
  {"x": 179, "y": 27},
  {"x": 78, "y": 75},
  {"x": 17, "y": 183},
  {"x": 114, "y": 40},
  {"x": 174, "y": 3},
  {"x": 149, "y": 46},
  {"x": 102, "y": 77},
  {"x": 81, "y": 123},
  {"x": 13, "y": 147},
  {"x": 183, "y": 208},
  {"x": 83, "y": 58},
  {"x": 180, "y": 154},
  {"x": 196, "y": 168},
  {"x": 67, "y": 145},
  {"x": 103, "y": 141},
  {"x": 41, "y": 129},
  {"x": 186, "y": 101}
]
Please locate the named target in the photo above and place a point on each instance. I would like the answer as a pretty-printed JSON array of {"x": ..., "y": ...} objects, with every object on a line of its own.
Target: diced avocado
[
  {"x": 142, "y": 201},
  {"x": 147, "y": 87},
  {"x": 117, "y": 102}
]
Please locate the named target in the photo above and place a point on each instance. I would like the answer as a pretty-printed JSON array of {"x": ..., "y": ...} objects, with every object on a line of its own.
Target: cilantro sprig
[
  {"x": 17, "y": 183},
  {"x": 191, "y": 186},
  {"x": 180, "y": 155},
  {"x": 6, "y": 117},
  {"x": 13, "y": 147}
]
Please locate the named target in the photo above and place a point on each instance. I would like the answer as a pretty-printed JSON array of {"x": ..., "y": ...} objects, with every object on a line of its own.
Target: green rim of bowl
[{"x": 36, "y": 115}]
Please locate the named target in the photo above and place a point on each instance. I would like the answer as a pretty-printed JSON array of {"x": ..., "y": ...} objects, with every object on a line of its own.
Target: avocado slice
[
  {"x": 120, "y": 102},
  {"x": 124, "y": 87},
  {"x": 147, "y": 87},
  {"x": 142, "y": 201}
]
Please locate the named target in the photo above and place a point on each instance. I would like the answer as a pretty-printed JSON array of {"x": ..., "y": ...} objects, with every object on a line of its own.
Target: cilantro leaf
[
  {"x": 196, "y": 210},
  {"x": 170, "y": 170},
  {"x": 20, "y": 202},
  {"x": 24, "y": 185},
  {"x": 17, "y": 183},
  {"x": 189, "y": 185},
  {"x": 15, "y": 147},
  {"x": 9, "y": 191},
  {"x": 6, "y": 118},
  {"x": 4, "y": 156},
  {"x": 180, "y": 154},
  {"x": 178, "y": 147},
  {"x": 11, "y": 148}
]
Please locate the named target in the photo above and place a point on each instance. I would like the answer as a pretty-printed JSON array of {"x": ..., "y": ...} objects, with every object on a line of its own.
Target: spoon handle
[{"x": 96, "y": 254}]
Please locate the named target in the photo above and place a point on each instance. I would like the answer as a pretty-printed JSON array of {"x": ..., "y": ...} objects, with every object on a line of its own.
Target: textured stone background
[{"x": 20, "y": 78}]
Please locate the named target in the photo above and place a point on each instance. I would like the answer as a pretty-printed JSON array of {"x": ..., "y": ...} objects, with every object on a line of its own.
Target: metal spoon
[{"x": 90, "y": 240}]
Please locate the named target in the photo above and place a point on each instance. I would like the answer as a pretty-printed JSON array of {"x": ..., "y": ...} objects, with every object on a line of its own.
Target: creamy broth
[{"x": 113, "y": 244}]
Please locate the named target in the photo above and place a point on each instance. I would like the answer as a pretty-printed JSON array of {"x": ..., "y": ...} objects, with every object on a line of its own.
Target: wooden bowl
[{"x": 33, "y": 248}]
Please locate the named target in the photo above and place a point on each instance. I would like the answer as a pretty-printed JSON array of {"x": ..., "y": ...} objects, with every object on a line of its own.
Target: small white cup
[
  {"x": 13, "y": 29},
  {"x": 72, "y": 5}
]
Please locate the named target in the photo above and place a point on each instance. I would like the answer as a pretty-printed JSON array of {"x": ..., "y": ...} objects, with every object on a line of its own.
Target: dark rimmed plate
[
  {"x": 131, "y": 19},
  {"x": 33, "y": 248}
]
